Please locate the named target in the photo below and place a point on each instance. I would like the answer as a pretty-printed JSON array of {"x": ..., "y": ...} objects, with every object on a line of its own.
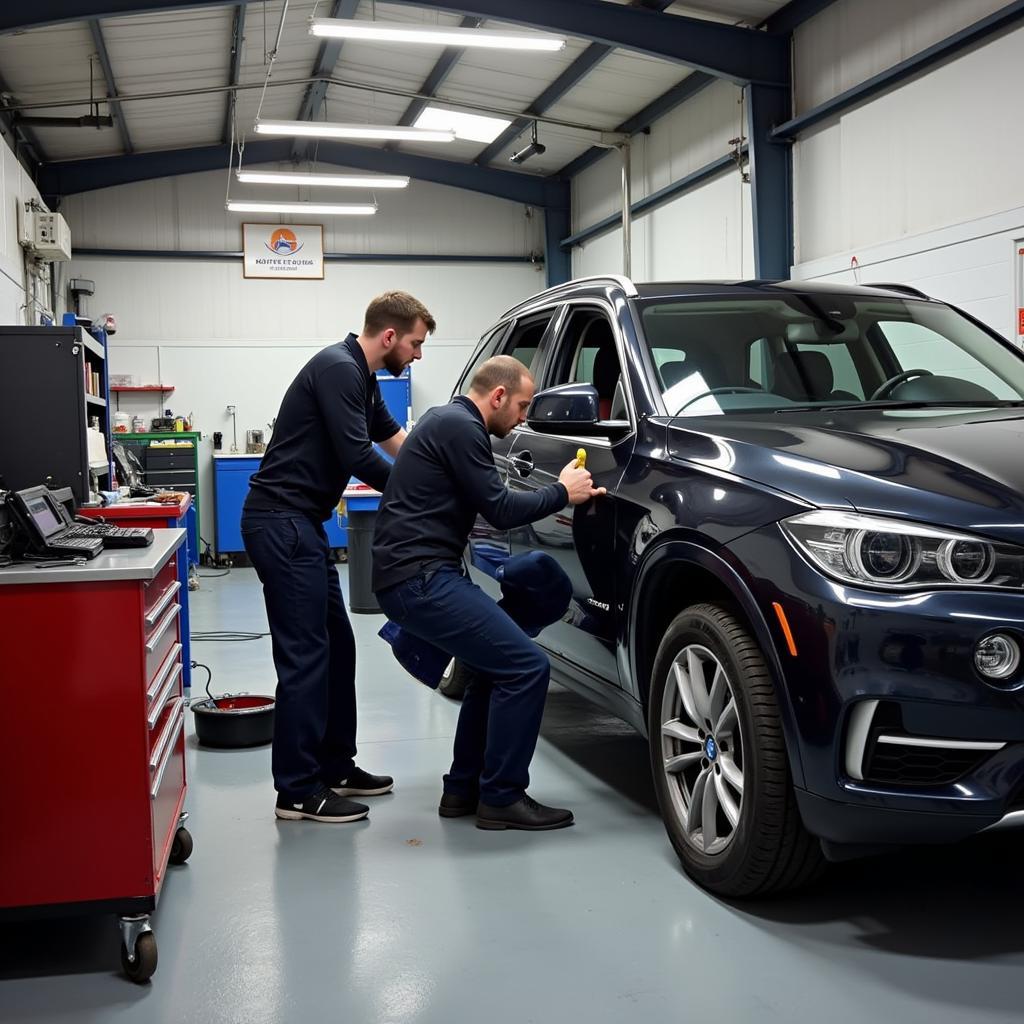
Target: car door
[
  {"x": 587, "y": 349},
  {"x": 522, "y": 338}
]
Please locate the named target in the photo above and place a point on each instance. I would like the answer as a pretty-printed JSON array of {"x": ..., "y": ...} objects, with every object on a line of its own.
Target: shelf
[
  {"x": 92, "y": 345},
  {"x": 144, "y": 387},
  {"x": 96, "y": 400}
]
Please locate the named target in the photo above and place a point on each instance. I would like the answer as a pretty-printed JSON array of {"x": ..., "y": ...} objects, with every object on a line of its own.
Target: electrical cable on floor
[
  {"x": 209, "y": 676},
  {"x": 213, "y": 575},
  {"x": 226, "y": 636}
]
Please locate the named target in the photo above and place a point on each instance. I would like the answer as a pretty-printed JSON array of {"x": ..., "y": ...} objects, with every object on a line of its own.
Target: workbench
[{"x": 92, "y": 742}]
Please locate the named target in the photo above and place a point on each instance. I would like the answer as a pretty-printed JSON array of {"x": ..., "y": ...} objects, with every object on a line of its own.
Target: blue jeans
[
  {"x": 504, "y": 703},
  {"x": 314, "y": 652}
]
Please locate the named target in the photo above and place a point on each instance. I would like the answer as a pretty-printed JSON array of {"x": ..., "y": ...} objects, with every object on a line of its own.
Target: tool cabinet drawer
[
  {"x": 163, "y": 690},
  {"x": 160, "y": 639},
  {"x": 167, "y": 780}
]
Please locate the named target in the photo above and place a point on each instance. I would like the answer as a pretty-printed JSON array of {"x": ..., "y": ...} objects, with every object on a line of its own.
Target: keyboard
[{"x": 111, "y": 536}]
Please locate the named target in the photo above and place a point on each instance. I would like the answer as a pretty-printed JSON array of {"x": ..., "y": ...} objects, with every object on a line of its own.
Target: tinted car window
[
  {"x": 735, "y": 355},
  {"x": 485, "y": 351},
  {"x": 588, "y": 352}
]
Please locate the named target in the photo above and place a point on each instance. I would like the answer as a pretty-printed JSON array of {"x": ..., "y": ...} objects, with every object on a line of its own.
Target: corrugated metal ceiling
[{"x": 190, "y": 50}]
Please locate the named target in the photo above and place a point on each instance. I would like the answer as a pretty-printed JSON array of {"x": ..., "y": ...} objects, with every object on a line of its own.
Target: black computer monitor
[{"x": 42, "y": 513}]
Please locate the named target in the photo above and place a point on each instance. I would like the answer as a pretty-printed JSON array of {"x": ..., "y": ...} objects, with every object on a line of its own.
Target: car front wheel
[{"x": 719, "y": 760}]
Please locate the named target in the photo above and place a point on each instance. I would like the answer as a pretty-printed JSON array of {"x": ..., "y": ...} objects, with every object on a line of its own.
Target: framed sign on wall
[{"x": 284, "y": 252}]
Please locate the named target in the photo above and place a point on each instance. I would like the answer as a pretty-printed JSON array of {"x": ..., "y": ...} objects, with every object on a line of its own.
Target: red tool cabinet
[{"x": 92, "y": 747}]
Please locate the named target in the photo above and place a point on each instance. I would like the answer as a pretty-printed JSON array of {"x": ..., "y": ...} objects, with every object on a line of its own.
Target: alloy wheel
[{"x": 702, "y": 749}]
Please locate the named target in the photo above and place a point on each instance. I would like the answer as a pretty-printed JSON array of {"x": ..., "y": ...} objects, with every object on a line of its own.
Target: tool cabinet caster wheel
[
  {"x": 142, "y": 967},
  {"x": 181, "y": 848}
]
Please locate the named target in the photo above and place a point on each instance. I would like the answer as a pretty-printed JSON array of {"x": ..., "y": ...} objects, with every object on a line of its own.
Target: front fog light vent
[{"x": 997, "y": 656}]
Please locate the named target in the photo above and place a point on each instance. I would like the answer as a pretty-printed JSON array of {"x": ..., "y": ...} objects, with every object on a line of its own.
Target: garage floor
[{"x": 408, "y": 917}]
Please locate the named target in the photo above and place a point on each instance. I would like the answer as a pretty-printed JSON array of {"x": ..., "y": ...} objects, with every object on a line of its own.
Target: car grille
[{"x": 894, "y": 764}]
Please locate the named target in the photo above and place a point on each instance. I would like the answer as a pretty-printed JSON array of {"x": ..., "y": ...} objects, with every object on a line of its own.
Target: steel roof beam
[
  {"x": 237, "y": 37},
  {"x": 108, "y": 73},
  {"x": 326, "y": 61},
  {"x": 73, "y": 176},
  {"x": 440, "y": 71},
  {"x": 725, "y": 51},
  {"x": 571, "y": 76}
]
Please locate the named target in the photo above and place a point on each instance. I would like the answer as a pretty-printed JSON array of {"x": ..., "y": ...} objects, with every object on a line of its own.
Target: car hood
[{"x": 963, "y": 469}]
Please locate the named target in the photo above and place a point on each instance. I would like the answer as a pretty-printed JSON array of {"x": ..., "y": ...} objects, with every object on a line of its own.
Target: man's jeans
[
  {"x": 504, "y": 703},
  {"x": 314, "y": 652}
]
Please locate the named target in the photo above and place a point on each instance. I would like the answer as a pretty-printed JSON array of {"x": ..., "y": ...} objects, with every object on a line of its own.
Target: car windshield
[{"x": 796, "y": 352}]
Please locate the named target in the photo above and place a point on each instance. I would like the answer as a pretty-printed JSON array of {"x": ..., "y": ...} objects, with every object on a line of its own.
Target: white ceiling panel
[
  {"x": 297, "y": 52},
  {"x": 620, "y": 86},
  {"x": 78, "y": 143},
  {"x": 173, "y": 124},
  {"x": 177, "y": 50},
  {"x": 48, "y": 63}
]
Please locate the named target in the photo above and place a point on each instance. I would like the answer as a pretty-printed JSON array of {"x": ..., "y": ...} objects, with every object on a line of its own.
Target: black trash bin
[{"x": 361, "y": 598}]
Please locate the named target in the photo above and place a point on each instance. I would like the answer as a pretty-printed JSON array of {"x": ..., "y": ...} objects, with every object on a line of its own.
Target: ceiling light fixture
[
  {"x": 332, "y": 130},
  {"x": 321, "y": 180},
  {"x": 474, "y": 127},
  {"x": 376, "y": 31},
  {"x": 328, "y": 209}
]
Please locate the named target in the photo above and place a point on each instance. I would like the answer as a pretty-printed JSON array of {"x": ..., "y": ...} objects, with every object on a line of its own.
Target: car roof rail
[
  {"x": 905, "y": 288},
  {"x": 618, "y": 280}
]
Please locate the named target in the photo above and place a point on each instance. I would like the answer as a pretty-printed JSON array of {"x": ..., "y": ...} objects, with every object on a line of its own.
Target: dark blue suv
[{"x": 806, "y": 583}]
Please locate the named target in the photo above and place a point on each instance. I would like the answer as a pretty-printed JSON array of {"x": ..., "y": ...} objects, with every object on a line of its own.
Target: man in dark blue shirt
[
  {"x": 330, "y": 417},
  {"x": 443, "y": 478}
]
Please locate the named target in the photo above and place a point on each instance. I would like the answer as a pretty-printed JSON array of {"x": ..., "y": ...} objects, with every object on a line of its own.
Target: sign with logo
[{"x": 283, "y": 251}]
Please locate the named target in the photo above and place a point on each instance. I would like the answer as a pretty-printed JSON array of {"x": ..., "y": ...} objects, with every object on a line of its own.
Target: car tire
[
  {"x": 454, "y": 680},
  {"x": 718, "y": 756}
]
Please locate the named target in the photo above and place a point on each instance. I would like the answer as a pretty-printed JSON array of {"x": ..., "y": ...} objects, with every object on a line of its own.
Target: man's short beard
[{"x": 393, "y": 364}]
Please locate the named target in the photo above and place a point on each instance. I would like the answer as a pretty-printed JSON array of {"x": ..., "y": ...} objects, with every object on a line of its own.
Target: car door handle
[{"x": 522, "y": 462}]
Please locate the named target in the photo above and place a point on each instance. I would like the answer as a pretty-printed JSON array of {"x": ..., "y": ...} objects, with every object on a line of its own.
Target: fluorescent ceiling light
[
  {"x": 377, "y": 31},
  {"x": 332, "y": 130},
  {"x": 330, "y": 209},
  {"x": 474, "y": 127},
  {"x": 318, "y": 180}
]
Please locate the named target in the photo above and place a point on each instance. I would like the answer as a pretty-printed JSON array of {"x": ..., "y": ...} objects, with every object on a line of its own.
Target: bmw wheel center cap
[{"x": 710, "y": 748}]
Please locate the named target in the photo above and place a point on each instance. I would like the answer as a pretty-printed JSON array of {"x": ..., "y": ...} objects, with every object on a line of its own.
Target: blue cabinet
[{"x": 231, "y": 485}]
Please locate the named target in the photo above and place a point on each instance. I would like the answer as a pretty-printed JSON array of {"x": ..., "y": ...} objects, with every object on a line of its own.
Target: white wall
[
  {"x": 16, "y": 187},
  {"x": 922, "y": 185},
  {"x": 705, "y": 233},
  {"x": 220, "y": 339}
]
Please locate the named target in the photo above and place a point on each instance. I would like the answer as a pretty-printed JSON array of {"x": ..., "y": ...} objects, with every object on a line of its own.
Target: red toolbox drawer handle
[
  {"x": 175, "y": 731},
  {"x": 165, "y": 599},
  {"x": 154, "y": 640}
]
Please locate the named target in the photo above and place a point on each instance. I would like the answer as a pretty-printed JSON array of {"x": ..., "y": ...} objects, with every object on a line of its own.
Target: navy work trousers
[
  {"x": 314, "y": 652},
  {"x": 504, "y": 703}
]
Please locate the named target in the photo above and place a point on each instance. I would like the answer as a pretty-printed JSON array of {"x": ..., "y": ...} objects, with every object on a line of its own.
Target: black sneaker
[
  {"x": 525, "y": 814},
  {"x": 452, "y": 806},
  {"x": 360, "y": 783},
  {"x": 322, "y": 806}
]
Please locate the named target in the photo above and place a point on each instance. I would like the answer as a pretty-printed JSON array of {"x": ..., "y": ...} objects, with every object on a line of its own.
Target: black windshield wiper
[{"x": 995, "y": 403}]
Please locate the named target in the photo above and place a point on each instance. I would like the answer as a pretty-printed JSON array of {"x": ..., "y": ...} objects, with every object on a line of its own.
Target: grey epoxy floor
[{"x": 408, "y": 918}]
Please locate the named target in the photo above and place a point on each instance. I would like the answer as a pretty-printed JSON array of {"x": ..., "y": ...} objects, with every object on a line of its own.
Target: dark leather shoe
[
  {"x": 525, "y": 814},
  {"x": 452, "y": 806}
]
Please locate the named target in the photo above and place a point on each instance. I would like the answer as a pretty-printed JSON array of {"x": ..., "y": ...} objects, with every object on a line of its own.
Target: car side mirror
[{"x": 570, "y": 409}]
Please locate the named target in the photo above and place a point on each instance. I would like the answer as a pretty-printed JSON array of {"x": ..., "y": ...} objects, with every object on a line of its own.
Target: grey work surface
[
  {"x": 415, "y": 919},
  {"x": 109, "y": 565}
]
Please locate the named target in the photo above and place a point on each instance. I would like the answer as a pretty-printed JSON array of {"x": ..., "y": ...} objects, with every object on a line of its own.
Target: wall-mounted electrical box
[{"x": 44, "y": 234}]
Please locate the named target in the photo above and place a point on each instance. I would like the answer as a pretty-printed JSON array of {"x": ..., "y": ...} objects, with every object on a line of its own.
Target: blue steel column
[
  {"x": 771, "y": 181},
  {"x": 557, "y": 261}
]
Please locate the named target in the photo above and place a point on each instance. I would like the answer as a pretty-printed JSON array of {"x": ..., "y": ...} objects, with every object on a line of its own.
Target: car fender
[{"x": 686, "y": 552}]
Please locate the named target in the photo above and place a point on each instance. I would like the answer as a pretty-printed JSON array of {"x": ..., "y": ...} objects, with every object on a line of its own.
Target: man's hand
[{"x": 579, "y": 484}]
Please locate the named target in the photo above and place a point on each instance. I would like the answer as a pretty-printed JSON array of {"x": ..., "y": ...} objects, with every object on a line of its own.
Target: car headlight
[{"x": 879, "y": 552}]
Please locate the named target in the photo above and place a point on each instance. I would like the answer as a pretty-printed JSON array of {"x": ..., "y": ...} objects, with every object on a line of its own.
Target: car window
[
  {"x": 485, "y": 350},
  {"x": 750, "y": 354},
  {"x": 524, "y": 341},
  {"x": 917, "y": 346},
  {"x": 589, "y": 356}
]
